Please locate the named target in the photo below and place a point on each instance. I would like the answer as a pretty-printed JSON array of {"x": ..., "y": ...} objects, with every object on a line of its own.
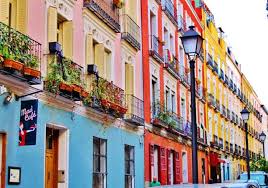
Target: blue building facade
[{"x": 75, "y": 149}]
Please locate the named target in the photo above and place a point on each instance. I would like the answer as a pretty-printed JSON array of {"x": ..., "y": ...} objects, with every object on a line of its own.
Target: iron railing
[
  {"x": 184, "y": 75},
  {"x": 135, "y": 111},
  {"x": 210, "y": 63},
  {"x": 228, "y": 114},
  {"x": 221, "y": 143},
  {"x": 181, "y": 24},
  {"x": 19, "y": 47},
  {"x": 170, "y": 10},
  {"x": 218, "y": 106},
  {"x": 215, "y": 67},
  {"x": 215, "y": 142},
  {"x": 221, "y": 75},
  {"x": 171, "y": 63},
  {"x": 231, "y": 148},
  {"x": 106, "y": 11},
  {"x": 154, "y": 48},
  {"x": 211, "y": 100},
  {"x": 131, "y": 31},
  {"x": 226, "y": 81},
  {"x": 226, "y": 146}
]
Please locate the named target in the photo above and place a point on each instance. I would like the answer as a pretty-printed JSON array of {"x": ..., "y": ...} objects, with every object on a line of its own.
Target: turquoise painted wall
[{"x": 31, "y": 158}]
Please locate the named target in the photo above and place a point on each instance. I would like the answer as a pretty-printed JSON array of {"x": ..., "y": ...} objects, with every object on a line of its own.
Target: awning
[{"x": 215, "y": 160}]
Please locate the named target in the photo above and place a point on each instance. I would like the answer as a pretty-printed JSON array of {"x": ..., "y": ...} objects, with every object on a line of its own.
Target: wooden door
[
  {"x": 51, "y": 158},
  {"x": 2, "y": 160}
]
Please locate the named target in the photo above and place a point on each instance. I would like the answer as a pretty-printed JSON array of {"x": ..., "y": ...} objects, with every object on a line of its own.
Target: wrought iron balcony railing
[
  {"x": 135, "y": 113},
  {"x": 215, "y": 67},
  {"x": 199, "y": 91},
  {"x": 106, "y": 11},
  {"x": 227, "y": 146},
  {"x": 224, "y": 113},
  {"x": 226, "y": 81},
  {"x": 170, "y": 10},
  {"x": 211, "y": 100},
  {"x": 228, "y": 114},
  {"x": 171, "y": 63},
  {"x": 155, "y": 44},
  {"x": 221, "y": 143},
  {"x": 231, "y": 85},
  {"x": 184, "y": 75},
  {"x": 235, "y": 89},
  {"x": 131, "y": 31},
  {"x": 233, "y": 117},
  {"x": 215, "y": 142},
  {"x": 19, "y": 53},
  {"x": 210, "y": 62},
  {"x": 218, "y": 106},
  {"x": 221, "y": 75},
  {"x": 231, "y": 148},
  {"x": 181, "y": 24}
]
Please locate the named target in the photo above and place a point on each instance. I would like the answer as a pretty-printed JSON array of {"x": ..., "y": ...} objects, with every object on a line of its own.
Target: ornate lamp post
[
  {"x": 262, "y": 139},
  {"x": 245, "y": 117},
  {"x": 192, "y": 43}
]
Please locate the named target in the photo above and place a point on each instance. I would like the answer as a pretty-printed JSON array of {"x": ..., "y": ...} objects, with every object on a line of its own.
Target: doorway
[
  {"x": 2, "y": 160},
  {"x": 184, "y": 168},
  {"x": 51, "y": 176}
]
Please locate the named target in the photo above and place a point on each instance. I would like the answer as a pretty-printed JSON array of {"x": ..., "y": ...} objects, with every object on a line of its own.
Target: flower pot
[
  {"x": 77, "y": 88},
  {"x": 122, "y": 110},
  {"x": 118, "y": 3},
  {"x": 31, "y": 72},
  {"x": 66, "y": 87},
  {"x": 84, "y": 94},
  {"x": 7, "y": 63}
]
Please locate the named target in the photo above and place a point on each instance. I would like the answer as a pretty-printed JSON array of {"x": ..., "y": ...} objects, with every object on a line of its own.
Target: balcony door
[{"x": 52, "y": 136}]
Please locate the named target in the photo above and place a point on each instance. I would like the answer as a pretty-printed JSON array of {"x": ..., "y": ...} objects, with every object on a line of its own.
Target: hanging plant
[{"x": 119, "y": 3}]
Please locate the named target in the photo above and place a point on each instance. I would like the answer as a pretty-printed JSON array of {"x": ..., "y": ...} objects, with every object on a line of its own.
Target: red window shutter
[
  {"x": 163, "y": 166},
  {"x": 169, "y": 166},
  {"x": 177, "y": 168}
]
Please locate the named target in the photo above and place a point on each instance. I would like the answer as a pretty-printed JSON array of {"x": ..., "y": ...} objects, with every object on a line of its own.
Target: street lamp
[
  {"x": 192, "y": 44},
  {"x": 245, "y": 116},
  {"x": 262, "y": 139}
]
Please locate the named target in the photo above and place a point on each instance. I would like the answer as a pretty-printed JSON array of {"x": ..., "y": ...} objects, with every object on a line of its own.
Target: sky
[{"x": 245, "y": 24}]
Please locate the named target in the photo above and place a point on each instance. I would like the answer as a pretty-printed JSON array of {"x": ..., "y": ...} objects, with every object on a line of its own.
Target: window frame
[
  {"x": 100, "y": 156},
  {"x": 129, "y": 161}
]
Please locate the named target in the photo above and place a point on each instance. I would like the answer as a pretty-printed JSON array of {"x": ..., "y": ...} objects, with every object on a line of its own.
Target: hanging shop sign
[{"x": 28, "y": 122}]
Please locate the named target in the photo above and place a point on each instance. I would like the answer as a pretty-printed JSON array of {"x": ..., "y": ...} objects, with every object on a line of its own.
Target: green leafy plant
[
  {"x": 31, "y": 61},
  {"x": 259, "y": 165}
]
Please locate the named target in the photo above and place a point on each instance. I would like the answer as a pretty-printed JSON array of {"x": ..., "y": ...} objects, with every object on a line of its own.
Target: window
[
  {"x": 155, "y": 172},
  {"x": 129, "y": 166},
  {"x": 167, "y": 99},
  {"x": 99, "y": 163},
  {"x": 173, "y": 102}
]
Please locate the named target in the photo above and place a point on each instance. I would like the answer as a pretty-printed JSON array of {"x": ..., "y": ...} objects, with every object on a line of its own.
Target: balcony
[
  {"x": 221, "y": 143},
  {"x": 170, "y": 10},
  {"x": 215, "y": 68},
  {"x": 228, "y": 114},
  {"x": 215, "y": 142},
  {"x": 236, "y": 120},
  {"x": 199, "y": 90},
  {"x": 210, "y": 63},
  {"x": 218, "y": 106},
  {"x": 106, "y": 11},
  {"x": 211, "y": 100},
  {"x": 226, "y": 81},
  {"x": 231, "y": 85},
  {"x": 155, "y": 44},
  {"x": 231, "y": 148},
  {"x": 181, "y": 24},
  {"x": 161, "y": 117},
  {"x": 184, "y": 76},
  {"x": 65, "y": 78},
  {"x": 171, "y": 63},
  {"x": 135, "y": 113},
  {"x": 131, "y": 32},
  {"x": 227, "y": 147},
  {"x": 223, "y": 111},
  {"x": 176, "y": 124},
  {"x": 20, "y": 56},
  {"x": 236, "y": 152},
  {"x": 221, "y": 75},
  {"x": 235, "y": 89},
  {"x": 233, "y": 117}
]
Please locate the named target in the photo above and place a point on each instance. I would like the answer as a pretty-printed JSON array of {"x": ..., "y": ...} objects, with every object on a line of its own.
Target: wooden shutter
[
  {"x": 99, "y": 59},
  {"x": 22, "y": 12},
  {"x": 68, "y": 39},
  {"x": 89, "y": 49},
  {"x": 151, "y": 150},
  {"x": 177, "y": 168},
  {"x": 169, "y": 167},
  {"x": 129, "y": 79},
  {"x": 4, "y": 12},
  {"x": 52, "y": 24},
  {"x": 163, "y": 166}
]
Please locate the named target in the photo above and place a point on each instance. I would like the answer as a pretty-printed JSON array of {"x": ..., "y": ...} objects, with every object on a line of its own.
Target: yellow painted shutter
[
  {"x": 22, "y": 16},
  {"x": 4, "y": 11},
  {"x": 68, "y": 39},
  {"x": 99, "y": 59},
  {"x": 129, "y": 79},
  {"x": 89, "y": 49},
  {"x": 107, "y": 65},
  {"x": 52, "y": 24}
]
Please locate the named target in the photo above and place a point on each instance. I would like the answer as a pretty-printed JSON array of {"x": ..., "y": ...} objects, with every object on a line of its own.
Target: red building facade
[{"x": 166, "y": 76}]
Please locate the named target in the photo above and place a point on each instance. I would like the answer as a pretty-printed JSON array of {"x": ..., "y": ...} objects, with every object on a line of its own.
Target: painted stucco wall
[{"x": 31, "y": 159}]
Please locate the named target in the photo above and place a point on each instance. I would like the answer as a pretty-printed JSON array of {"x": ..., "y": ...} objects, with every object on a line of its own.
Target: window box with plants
[{"x": 65, "y": 78}]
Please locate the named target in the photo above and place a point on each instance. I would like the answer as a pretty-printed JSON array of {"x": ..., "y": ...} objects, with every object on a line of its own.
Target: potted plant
[
  {"x": 119, "y": 3},
  {"x": 10, "y": 60},
  {"x": 31, "y": 65}
]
